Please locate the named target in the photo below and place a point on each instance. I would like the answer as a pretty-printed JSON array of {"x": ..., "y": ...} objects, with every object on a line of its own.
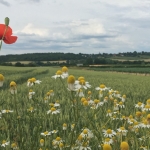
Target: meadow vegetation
[{"x": 42, "y": 108}]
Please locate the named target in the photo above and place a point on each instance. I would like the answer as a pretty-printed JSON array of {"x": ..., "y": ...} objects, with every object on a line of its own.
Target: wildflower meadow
[{"x": 46, "y": 108}]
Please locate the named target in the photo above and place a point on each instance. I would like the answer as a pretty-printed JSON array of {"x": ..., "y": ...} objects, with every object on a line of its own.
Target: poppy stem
[{"x": 3, "y": 36}]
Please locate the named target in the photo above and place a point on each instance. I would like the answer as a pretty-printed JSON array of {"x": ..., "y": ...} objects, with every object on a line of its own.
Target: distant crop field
[
  {"x": 48, "y": 108},
  {"x": 119, "y": 59},
  {"x": 27, "y": 62}
]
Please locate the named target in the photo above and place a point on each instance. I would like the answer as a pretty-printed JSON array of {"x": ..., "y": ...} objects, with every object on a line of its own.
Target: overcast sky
[{"x": 77, "y": 26}]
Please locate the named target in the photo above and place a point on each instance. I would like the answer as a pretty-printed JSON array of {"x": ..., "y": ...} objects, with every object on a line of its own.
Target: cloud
[
  {"x": 4, "y": 3},
  {"x": 31, "y": 29},
  {"x": 78, "y": 26}
]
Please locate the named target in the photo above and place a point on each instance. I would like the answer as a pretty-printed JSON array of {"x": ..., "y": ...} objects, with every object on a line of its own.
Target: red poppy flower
[{"x": 8, "y": 38}]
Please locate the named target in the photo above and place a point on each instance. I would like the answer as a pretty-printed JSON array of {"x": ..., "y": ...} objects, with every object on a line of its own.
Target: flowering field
[{"x": 67, "y": 109}]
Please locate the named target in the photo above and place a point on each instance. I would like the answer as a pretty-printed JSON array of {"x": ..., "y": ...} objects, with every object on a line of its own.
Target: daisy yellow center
[
  {"x": 85, "y": 103},
  {"x": 31, "y": 90},
  {"x": 80, "y": 137},
  {"x": 71, "y": 79},
  {"x": 31, "y": 108},
  {"x": 96, "y": 101},
  {"x": 83, "y": 99},
  {"x": 85, "y": 131},
  {"x": 148, "y": 116},
  {"x": 115, "y": 100},
  {"x": 13, "y": 145},
  {"x": 122, "y": 128},
  {"x": 89, "y": 92},
  {"x": 82, "y": 82},
  {"x": 124, "y": 96},
  {"x": 12, "y": 84},
  {"x": 114, "y": 116},
  {"x": 41, "y": 141},
  {"x": 51, "y": 91},
  {"x": 81, "y": 78},
  {"x": 145, "y": 122},
  {"x": 51, "y": 104},
  {"x": 64, "y": 125},
  {"x": 3, "y": 142},
  {"x": 108, "y": 111},
  {"x": 102, "y": 86},
  {"x": 139, "y": 103},
  {"x": 148, "y": 101},
  {"x": 1, "y": 77},
  {"x": 109, "y": 131},
  {"x": 64, "y": 69},
  {"x": 59, "y": 72},
  {"x": 54, "y": 131},
  {"x": 48, "y": 93},
  {"x": 46, "y": 132},
  {"x": 107, "y": 139},
  {"x": 124, "y": 146},
  {"x": 61, "y": 145},
  {"x": 132, "y": 120},
  {"x": 130, "y": 117},
  {"x": 53, "y": 109},
  {"x": 107, "y": 147},
  {"x": 138, "y": 113},
  {"x": 7, "y": 111},
  {"x": 33, "y": 79},
  {"x": 85, "y": 144},
  {"x": 106, "y": 98},
  {"x": 147, "y": 106},
  {"x": 120, "y": 103},
  {"x": 123, "y": 117},
  {"x": 58, "y": 139},
  {"x": 29, "y": 80},
  {"x": 136, "y": 123},
  {"x": 117, "y": 92}
]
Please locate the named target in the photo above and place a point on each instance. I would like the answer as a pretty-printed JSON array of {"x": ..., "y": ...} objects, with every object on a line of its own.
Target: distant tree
[
  {"x": 18, "y": 64},
  {"x": 89, "y": 61}
]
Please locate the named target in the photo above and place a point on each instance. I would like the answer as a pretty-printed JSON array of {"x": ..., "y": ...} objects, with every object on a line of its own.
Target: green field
[
  {"x": 140, "y": 70},
  {"x": 22, "y": 128}
]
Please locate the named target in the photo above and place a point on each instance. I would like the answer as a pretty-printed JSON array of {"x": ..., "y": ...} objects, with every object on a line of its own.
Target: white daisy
[
  {"x": 54, "y": 131},
  {"x": 53, "y": 110},
  {"x": 46, "y": 133},
  {"x": 57, "y": 141},
  {"x": 84, "y": 146},
  {"x": 80, "y": 93},
  {"x": 102, "y": 87},
  {"x": 33, "y": 81},
  {"x": 121, "y": 105},
  {"x": 108, "y": 141},
  {"x": 82, "y": 84},
  {"x": 7, "y": 111},
  {"x": 86, "y": 133},
  {"x": 139, "y": 105},
  {"x": 109, "y": 133},
  {"x": 123, "y": 131},
  {"x": 59, "y": 74},
  {"x": 109, "y": 113},
  {"x": 4, "y": 143},
  {"x": 146, "y": 108}
]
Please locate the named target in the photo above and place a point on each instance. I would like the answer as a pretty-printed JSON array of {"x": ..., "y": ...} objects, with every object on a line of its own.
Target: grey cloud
[{"x": 4, "y": 3}]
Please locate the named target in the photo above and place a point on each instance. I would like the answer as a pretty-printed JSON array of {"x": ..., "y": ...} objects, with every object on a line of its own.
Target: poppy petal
[
  {"x": 2, "y": 30},
  {"x": 10, "y": 39}
]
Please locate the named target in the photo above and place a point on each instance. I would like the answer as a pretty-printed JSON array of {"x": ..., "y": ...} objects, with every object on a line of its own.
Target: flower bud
[{"x": 6, "y": 21}]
